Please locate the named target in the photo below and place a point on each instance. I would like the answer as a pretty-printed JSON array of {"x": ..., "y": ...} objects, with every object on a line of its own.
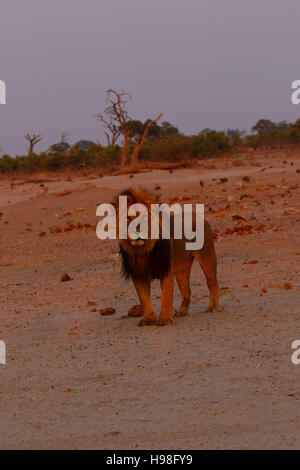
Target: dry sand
[{"x": 75, "y": 379}]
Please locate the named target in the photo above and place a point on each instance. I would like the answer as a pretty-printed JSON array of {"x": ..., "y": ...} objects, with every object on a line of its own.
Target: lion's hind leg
[
  {"x": 183, "y": 281},
  {"x": 208, "y": 263},
  {"x": 167, "y": 291}
]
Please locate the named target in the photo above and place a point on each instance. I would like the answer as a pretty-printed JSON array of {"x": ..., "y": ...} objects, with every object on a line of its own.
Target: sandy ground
[{"x": 77, "y": 380}]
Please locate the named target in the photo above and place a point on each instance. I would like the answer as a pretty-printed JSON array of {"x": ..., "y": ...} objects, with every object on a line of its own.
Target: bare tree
[
  {"x": 117, "y": 118},
  {"x": 141, "y": 140},
  {"x": 117, "y": 121},
  {"x": 33, "y": 140},
  {"x": 112, "y": 132},
  {"x": 64, "y": 136}
]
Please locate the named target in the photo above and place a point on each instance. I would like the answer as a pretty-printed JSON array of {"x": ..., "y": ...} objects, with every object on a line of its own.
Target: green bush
[
  {"x": 166, "y": 145},
  {"x": 8, "y": 163},
  {"x": 170, "y": 149}
]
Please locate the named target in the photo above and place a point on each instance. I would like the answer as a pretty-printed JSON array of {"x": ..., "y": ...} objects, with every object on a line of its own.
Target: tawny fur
[{"x": 166, "y": 259}]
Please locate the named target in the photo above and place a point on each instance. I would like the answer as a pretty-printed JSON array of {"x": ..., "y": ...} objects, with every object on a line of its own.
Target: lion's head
[{"x": 142, "y": 256}]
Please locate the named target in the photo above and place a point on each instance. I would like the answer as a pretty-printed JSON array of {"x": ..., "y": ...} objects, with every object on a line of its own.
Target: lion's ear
[
  {"x": 115, "y": 202},
  {"x": 130, "y": 199}
]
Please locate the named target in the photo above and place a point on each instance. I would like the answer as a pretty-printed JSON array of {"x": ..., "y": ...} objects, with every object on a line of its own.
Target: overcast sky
[{"x": 204, "y": 63}]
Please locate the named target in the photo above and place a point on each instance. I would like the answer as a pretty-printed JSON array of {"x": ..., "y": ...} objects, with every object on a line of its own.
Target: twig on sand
[{"x": 153, "y": 166}]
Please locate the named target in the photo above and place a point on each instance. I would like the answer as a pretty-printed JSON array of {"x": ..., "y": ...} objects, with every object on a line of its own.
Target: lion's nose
[
  {"x": 143, "y": 236},
  {"x": 135, "y": 235}
]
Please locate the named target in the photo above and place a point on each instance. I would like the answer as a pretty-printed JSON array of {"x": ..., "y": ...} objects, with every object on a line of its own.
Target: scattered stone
[
  {"x": 157, "y": 188},
  {"x": 290, "y": 211},
  {"x": 65, "y": 277},
  {"x": 107, "y": 311},
  {"x": 246, "y": 178},
  {"x": 55, "y": 229},
  {"x": 70, "y": 227},
  {"x": 223, "y": 180},
  {"x": 135, "y": 311},
  {"x": 237, "y": 217},
  {"x": 66, "y": 192},
  {"x": 201, "y": 183}
]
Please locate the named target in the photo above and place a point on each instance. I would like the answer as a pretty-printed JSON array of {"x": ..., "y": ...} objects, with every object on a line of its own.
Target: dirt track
[{"x": 75, "y": 379}]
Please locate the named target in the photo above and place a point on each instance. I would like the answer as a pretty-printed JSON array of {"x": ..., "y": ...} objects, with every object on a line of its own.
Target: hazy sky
[{"x": 204, "y": 63}]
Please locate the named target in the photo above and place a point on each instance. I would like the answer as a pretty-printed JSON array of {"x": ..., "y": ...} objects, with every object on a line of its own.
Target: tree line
[{"x": 130, "y": 141}]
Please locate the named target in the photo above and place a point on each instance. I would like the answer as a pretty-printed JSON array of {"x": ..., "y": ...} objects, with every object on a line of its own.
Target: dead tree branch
[
  {"x": 33, "y": 140},
  {"x": 112, "y": 132},
  {"x": 117, "y": 118},
  {"x": 137, "y": 148},
  {"x": 64, "y": 137},
  {"x": 116, "y": 121},
  {"x": 149, "y": 166}
]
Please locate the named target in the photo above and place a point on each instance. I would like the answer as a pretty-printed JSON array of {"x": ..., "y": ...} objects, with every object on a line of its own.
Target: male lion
[{"x": 146, "y": 259}]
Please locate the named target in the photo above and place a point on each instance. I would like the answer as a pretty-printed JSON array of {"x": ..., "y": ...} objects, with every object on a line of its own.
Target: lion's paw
[
  {"x": 181, "y": 313},
  {"x": 211, "y": 309},
  {"x": 146, "y": 322},
  {"x": 164, "y": 321}
]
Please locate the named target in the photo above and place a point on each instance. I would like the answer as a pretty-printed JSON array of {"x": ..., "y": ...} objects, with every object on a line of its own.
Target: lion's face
[
  {"x": 142, "y": 257},
  {"x": 138, "y": 242}
]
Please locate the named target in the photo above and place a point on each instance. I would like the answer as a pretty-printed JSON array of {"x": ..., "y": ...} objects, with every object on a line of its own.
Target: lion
[{"x": 145, "y": 259}]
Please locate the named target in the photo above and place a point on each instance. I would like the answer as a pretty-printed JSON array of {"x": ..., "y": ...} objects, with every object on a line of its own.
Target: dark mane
[
  {"x": 153, "y": 265},
  {"x": 137, "y": 194}
]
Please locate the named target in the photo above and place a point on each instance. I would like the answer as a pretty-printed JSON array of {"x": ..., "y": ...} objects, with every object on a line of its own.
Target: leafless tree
[
  {"x": 112, "y": 132},
  {"x": 116, "y": 120},
  {"x": 64, "y": 137},
  {"x": 141, "y": 140},
  {"x": 33, "y": 140}
]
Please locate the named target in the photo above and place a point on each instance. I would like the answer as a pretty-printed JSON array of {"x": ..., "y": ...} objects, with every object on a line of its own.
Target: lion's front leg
[
  {"x": 143, "y": 289},
  {"x": 167, "y": 291}
]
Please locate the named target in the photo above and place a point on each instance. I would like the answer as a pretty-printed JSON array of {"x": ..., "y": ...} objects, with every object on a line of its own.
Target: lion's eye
[{"x": 128, "y": 219}]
